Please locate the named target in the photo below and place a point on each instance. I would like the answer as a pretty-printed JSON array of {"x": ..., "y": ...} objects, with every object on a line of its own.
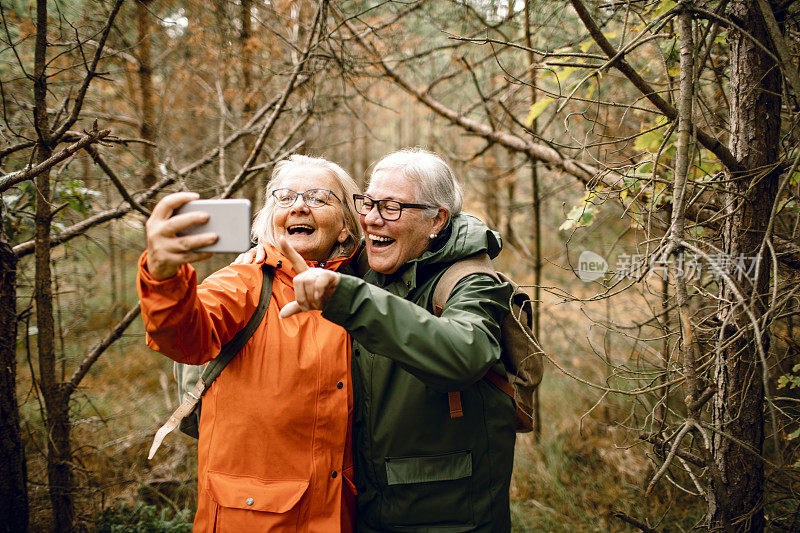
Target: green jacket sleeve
[{"x": 446, "y": 353}]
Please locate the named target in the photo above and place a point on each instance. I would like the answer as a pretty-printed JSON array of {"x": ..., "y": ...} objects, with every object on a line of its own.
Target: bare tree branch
[
  {"x": 247, "y": 129},
  {"x": 129, "y": 121},
  {"x": 634, "y": 522},
  {"x": 683, "y": 454},
  {"x": 11, "y": 179},
  {"x": 98, "y": 350},
  {"x": 787, "y": 66},
  {"x": 710, "y": 142},
  {"x": 265, "y": 131},
  {"x": 76, "y": 230},
  {"x": 535, "y": 151},
  {"x": 16, "y": 148}
]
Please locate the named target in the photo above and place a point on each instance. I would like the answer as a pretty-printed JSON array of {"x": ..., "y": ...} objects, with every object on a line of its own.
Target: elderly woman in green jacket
[{"x": 417, "y": 467}]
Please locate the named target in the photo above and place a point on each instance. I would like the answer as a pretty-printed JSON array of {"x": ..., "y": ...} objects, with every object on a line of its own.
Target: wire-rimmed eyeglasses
[
  {"x": 387, "y": 209},
  {"x": 311, "y": 197}
]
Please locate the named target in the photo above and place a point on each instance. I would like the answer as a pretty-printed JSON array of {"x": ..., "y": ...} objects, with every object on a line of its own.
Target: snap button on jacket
[{"x": 274, "y": 424}]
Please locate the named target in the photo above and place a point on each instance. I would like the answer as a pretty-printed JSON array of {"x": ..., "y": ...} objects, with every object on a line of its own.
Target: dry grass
[{"x": 584, "y": 468}]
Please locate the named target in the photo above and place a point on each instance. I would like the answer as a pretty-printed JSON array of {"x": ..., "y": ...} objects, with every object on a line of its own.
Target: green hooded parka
[{"x": 418, "y": 469}]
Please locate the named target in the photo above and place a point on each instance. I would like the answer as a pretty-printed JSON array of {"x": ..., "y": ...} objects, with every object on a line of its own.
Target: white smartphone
[{"x": 229, "y": 219}]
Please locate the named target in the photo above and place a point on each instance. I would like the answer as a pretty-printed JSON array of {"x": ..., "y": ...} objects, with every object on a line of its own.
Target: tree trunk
[
  {"x": 251, "y": 189},
  {"x": 363, "y": 156},
  {"x": 59, "y": 471},
  {"x": 247, "y": 58},
  {"x": 536, "y": 216},
  {"x": 491, "y": 182},
  {"x": 511, "y": 193},
  {"x": 147, "y": 127},
  {"x": 13, "y": 482},
  {"x": 739, "y": 405}
]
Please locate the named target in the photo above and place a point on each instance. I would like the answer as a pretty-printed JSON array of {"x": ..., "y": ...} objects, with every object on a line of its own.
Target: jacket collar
[{"x": 276, "y": 259}]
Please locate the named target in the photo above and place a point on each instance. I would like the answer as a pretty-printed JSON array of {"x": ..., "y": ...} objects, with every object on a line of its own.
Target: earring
[{"x": 432, "y": 235}]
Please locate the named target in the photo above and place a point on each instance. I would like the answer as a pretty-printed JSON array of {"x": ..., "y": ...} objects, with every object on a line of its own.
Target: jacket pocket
[
  {"x": 253, "y": 494},
  {"x": 446, "y": 467},
  {"x": 429, "y": 490}
]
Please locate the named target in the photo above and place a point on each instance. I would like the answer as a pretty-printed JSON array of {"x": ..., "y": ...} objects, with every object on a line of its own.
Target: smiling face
[
  {"x": 312, "y": 232},
  {"x": 390, "y": 244}
]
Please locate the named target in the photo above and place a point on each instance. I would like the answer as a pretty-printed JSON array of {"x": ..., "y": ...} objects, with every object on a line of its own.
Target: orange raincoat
[{"x": 274, "y": 452}]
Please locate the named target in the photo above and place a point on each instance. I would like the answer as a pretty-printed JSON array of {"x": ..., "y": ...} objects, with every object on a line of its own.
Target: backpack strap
[
  {"x": 213, "y": 369},
  {"x": 475, "y": 264},
  {"x": 235, "y": 345},
  {"x": 500, "y": 382}
]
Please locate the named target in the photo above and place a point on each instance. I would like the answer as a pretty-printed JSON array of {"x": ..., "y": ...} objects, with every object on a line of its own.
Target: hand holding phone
[{"x": 177, "y": 235}]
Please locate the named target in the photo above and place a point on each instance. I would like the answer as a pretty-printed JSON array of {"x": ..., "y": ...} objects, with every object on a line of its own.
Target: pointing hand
[{"x": 313, "y": 287}]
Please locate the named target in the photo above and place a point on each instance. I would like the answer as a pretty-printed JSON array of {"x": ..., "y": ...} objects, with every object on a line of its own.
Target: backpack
[
  {"x": 521, "y": 354},
  {"x": 194, "y": 380}
]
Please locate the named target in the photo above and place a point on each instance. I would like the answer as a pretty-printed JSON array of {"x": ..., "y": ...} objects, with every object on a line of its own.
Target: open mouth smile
[
  {"x": 379, "y": 241},
  {"x": 300, "y": 229}
]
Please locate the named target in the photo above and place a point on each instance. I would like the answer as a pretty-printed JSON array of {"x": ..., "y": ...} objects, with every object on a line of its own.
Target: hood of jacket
[{"x": 465, "y": 235}]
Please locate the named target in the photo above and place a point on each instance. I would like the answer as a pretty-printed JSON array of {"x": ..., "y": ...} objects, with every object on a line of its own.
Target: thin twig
[
  {"x": 77, "y": 105},
  {"x": 668, "y": 461},
  {"x": 95, "y": 154},
  {"x": 634, "y": 522}
]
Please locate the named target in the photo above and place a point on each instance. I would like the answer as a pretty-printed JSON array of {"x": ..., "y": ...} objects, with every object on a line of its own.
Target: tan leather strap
[
  {"x": 500, "y": 382},
  {"x": 456, "y": 411},
  {"x": 190, "y": 399},
  {"x": 474, "y": 264},
  {"x": 455, "y": 404}
]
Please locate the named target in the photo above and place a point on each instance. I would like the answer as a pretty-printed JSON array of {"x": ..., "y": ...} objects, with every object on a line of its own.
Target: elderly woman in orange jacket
[{"x": 275, "y": 450}]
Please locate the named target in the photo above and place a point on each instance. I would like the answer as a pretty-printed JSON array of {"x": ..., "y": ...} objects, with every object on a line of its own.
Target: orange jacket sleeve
[{"x": 190, "y": 323}]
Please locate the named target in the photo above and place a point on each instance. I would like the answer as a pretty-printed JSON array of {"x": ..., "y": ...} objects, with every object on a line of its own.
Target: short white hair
[
  {"x": 263, "y": 229},
  {"x": 434, "y": 180}
]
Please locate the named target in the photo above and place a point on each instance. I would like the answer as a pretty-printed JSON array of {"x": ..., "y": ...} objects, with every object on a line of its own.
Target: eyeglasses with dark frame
[
  {"x": 387, "y": 209},
  {"x": 312, "y": 197}
]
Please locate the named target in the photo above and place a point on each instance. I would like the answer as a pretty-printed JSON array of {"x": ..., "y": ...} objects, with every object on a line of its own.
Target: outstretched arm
[
  {"x": 446, "y": 353},
  {"x": 189, "y": 323}
]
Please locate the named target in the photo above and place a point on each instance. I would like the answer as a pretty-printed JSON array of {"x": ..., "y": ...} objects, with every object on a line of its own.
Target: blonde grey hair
[
  {"x": 432, "y": 177},
  {"x": 263, "y": 229}
]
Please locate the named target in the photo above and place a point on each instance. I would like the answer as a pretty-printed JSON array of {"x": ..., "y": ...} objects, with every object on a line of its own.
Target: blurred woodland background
[{"x": 639, "y": 157}]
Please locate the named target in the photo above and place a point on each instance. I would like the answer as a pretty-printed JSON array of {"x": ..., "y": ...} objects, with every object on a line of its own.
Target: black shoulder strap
[{"x": 236, "y": 344}]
